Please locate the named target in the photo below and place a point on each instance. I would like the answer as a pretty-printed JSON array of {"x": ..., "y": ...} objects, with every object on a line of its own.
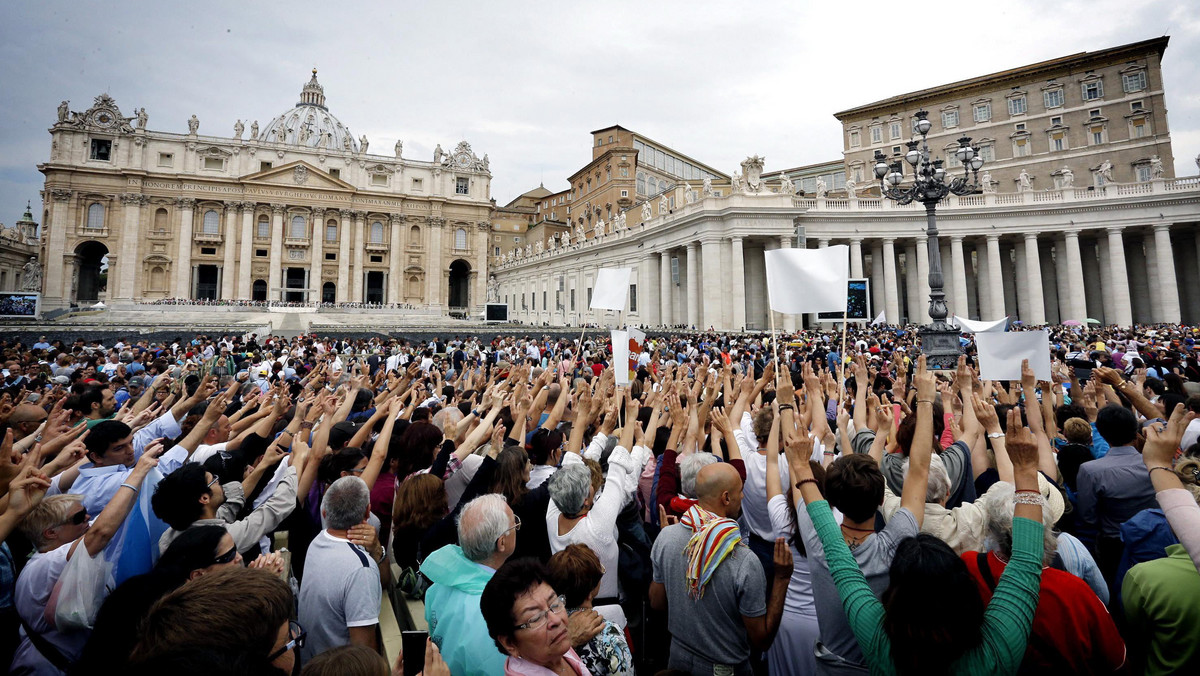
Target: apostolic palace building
[
  {"x": 1078, "y": 217},
  {"x": 294, "y": 210}
]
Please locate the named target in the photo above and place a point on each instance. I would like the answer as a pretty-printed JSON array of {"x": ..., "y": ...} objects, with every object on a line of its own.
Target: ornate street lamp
[{"x": 939, "y": 340}]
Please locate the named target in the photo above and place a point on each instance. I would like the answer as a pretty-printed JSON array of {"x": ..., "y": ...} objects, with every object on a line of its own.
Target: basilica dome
[{"x": 310, "y": 123}]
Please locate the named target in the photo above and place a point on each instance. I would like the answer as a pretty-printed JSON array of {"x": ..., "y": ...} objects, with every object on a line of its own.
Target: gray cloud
[{"x": 526, "y": 82}]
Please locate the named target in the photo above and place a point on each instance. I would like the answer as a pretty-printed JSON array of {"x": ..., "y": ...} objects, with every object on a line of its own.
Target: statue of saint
[
  {"x": 399, "y": 148},
  {"x": 580, "y": 233},
  {"x": 735, "y": 185},
  {"x": 64, "y": 111},
  {"x": 664, "y": 205},
  {"x": 142, "y": 118},
  {"x": 31, "y": 275},
  {"x": 786, "y": 187},
  {"x": 600, "y": 226},
  {"x": 1105, "y": 170},
  {"x": 986, "y": 183},
  {"x": 493, "y": 290},
  {"x": 1156, "y": 167},
  {"x": 437, "y": 154},
  {"x": 486, "y": 163},
  {"x": 822, "y": 188},
  {"x": 1024, "y": 181},
  {"x": 1067, "y": 177},
  {"x": 346, "y": 140},
  {"x": 238, "y": 128},
  {"x": 362, "y": 144},
  {"x": 707, "y": 189},
  {"x": 253, "y": 130},
  {"x": 624, "y": 223},
  {"x": 851, "y": 187},
  {"x": 689, "y": 195},
  {"x": 646, "y": 215},
  {"x": 193, "y": 125}
]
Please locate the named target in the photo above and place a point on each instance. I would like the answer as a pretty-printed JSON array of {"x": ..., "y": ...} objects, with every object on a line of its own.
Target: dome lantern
[{"x": 313, "y": 93}]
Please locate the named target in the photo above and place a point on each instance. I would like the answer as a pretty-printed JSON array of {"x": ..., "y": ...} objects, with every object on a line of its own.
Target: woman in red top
[{"x": 1072, "y": 630}]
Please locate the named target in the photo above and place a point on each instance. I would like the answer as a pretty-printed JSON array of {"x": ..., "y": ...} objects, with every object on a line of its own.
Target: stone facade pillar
[
  {"x": 229, "y": 246},
  {"x": 648, "y": 280},
  {"x": 1168, "y": 285},
  {"x": 343, "y": 280},
  {"x": 693, "y": 286},
  {"x": 856, "y": 259},
  {"x": 922, "y": 316},
  {"x": 1033, "y": 273},
  {"x": 1073, "y": 273},
  {"x": 183, "y": 262},
  {"x": 878, "y": 285},
  {"x": 395, "y": 259},
  {"x": 1150, "y": 246},
  {"x": 435, "y": 269},
  {"x": 666, "y": 316},
  {"x": 912, "y": 285},
  {"x": 483, "y": 232},
  {"x": 789, "y": 320},
  {"x": 890, "y": 289},
  {"x": 246, "y": 253},
  {"x": 995, "y": 277},
  {"x": 130, "y": 237},
  {"x": 958, "y": 278},
  {"x": 713, "y": 293},
  {"x": 275, "y": 272},
  {"x": 737, "y": 289},
  {"x": 55, "y": 268},
  {"x": 357, "y": 278}
]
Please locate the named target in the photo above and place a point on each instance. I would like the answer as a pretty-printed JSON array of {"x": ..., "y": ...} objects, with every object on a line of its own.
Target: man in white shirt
[{"x": 339, "y": 600}]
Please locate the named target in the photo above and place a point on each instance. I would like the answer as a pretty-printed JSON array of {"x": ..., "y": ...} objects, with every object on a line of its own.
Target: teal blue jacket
[{"x": 452, "y": 610}]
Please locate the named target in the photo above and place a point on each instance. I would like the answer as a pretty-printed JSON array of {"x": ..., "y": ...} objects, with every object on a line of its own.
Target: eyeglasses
[
  {"x": 214, "y": 480},
  {"x": 559, "y": 605},
  {"x": 77, "y": 518},
  {"x": 226, "y": 557},
  {"x": 517, "y": 526},
  {"x": 358, "y": 470},
  {"x": 297, "y": 635}
]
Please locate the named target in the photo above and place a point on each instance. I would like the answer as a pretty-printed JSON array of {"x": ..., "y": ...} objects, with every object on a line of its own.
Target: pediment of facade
[{"x": 298, "y": 174}]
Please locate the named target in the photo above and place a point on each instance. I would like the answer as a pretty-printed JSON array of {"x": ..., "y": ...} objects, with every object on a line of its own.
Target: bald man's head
[
  {"x": 25, "y": 419},
  {"x": 719, "y": 487}
]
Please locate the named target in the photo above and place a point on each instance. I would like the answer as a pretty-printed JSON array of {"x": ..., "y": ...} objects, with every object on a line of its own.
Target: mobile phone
[{"x": 413, "y": 645}]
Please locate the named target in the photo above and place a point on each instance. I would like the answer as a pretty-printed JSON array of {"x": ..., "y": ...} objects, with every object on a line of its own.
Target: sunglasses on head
[{"x": 78, "y": 518}]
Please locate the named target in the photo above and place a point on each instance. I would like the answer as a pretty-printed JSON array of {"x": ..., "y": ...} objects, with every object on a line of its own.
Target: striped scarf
[{"x": 713, "y": 539}]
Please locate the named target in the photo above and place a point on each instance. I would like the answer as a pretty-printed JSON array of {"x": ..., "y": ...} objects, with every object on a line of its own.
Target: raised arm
[
  {"x": 1177, "y": 503},
  {"x": 1037, "y": 424},
  {"x": 916, "y": 481}
]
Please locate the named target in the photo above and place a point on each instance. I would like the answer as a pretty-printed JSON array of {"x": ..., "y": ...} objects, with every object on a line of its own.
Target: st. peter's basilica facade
[{"x": 296, "y": 210}]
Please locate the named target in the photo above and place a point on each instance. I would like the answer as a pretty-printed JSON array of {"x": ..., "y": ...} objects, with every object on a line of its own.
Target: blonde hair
[
  {"x": 1188, "y": 470},
  {"x": 1078, "y": 431},
  {"x": 50, "y": 513}
]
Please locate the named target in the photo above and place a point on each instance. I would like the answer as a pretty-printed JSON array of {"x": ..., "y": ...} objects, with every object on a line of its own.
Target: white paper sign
[
  {"x": 880, "y": 319},
  {"x": 611, "y": 289},
  {"x": 808, "y": 280},
  {"x": 620, "y": 356},
  {"x": 1000, "y": 354},
  {"x": 971, "y": 326}
]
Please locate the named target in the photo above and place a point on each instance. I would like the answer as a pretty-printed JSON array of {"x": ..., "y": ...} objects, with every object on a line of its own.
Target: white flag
[
  {"x": 879, "y": 320},
  {"x": 1000, "y": 354},
  {"x": 611, "y": 289},
  {"x": 971, "y": 326},
  {"x": 620, "y": 356},
  {"x": 808, "y": 280}
]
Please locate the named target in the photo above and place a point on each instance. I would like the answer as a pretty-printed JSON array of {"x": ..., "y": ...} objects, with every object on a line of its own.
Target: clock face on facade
[{"x": 104, "y": 118}]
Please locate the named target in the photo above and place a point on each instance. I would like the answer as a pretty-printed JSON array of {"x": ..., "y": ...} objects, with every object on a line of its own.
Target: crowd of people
[
  {"x": 239, "y": 302},
  {"x": 720, "y": 504}
]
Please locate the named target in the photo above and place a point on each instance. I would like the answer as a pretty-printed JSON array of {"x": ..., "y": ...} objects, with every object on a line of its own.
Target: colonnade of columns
[{"x": 1116, "y": 275}]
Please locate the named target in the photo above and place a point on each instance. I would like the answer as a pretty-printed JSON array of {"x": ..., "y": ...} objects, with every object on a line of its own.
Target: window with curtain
[
  {"x": 377, "y": 233},
  {"x": 264, "y": 227},
  {"x": 212, "y": 222},
  {"x": 95, "y": 215},
  {"x": 331, "y": 230},
  {"x": 460, "y": 238},
  {"x": 297, "y": 227}
]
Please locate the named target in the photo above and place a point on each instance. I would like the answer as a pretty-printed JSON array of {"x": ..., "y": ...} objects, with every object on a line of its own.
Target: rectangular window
[
  {"x": 951, "y": 160},
  {"x": 208, "y": 251},
  {"x": 1055, "y": 121},
  {"x": 1143, "y": 173},
  {"x": 376, "y": 259},
  {"x": 876, "y": 134},
  {"x": 261, "y": 253},
  {"x": 983, "y": 112},
  {"x": 589, "y": 297},
  {"x": 263, "y": 166},
  {"x": 544, "y": 305},
  {"x": 1094, "y": 112},
  {"x": 214, "y": 163},
  {"x": 379, "y": 179},
  {"x": 1020, "y": 126},
  {"x": 1017, "y": 105},
  {"x": 895, "y": 130},
  {"x": 1058, "y": 141},
  {"x": 1097, "y": 135},
  {"x": 572, "y": 300},
  {"x": 895, "y": 150},
  {"x": 1021, "y": 147},
  {"x": 101, "y": 150},
  {"x": 462, "y": 185},
  {"x": 1137, "y": 106},
  {"x": 633, "y": 297},
  {"x": 854, "y": 139},
  {"x": 417, "y": 185},
  {"x": 1134, "y": 82},
  {"x": 1139, "y": 128},
  {"x": 624, "y": 193},
  {"x": 1053, "y": 98},
  {"x": 335, "y": 173},
  {"x": 988, "y": 153},
  {"x": 264, "y": 230},
  {"x": 331, "y": 256},
  {"x": 1093, "y": 90},
  {"x": 166, "y": 159},
  {"x": 330, "y": 232},
  {"x": 949, "y": 119}
]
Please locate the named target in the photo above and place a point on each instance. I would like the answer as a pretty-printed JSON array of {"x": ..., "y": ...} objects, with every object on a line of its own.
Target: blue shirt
[{"x": 1111, "y": 491}]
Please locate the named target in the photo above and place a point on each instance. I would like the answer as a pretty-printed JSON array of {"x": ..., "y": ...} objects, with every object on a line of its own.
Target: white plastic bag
[{"x": 82, "y": 590}]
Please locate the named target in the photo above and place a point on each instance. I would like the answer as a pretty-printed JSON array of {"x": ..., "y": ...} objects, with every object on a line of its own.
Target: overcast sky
[{"x": 526, "y": 82}]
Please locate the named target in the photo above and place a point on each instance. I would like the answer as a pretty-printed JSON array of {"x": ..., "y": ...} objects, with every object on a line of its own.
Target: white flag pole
[{"x": 774, "y": 347}]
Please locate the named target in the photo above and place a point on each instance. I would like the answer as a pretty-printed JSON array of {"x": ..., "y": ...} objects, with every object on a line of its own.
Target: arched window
[
  {"x": 158, "y": 279},
  {"x": 414, "y": 286},
  {"x": 414, "y": 235},
  {"x": 377, "y": 233},
  {"x": 297, "y": 227},
  {"x": 160, "y": 219},
  {"x": 212, "y": 222},
  {"x": 264, "y": 227},
  {"x": 328, "y": 293},
  {"x": 258, "y": 290},
  {"x": 331, "y": 230},
  {"x": 95, "y": 218},
  {"x": 460, "y": 238}
]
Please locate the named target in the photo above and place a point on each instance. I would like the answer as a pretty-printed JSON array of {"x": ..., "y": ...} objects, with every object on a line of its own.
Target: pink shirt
[{"x": 516, "y": 666}]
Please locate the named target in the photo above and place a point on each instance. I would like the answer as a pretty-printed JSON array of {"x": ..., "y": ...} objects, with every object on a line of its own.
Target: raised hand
[
  {"x": 1163, "y": 441},
  {"x": 1020, "y": 444}
]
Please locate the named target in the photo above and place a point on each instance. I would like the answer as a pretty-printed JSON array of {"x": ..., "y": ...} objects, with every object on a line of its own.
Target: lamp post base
[{"x": 940, "y": 345}]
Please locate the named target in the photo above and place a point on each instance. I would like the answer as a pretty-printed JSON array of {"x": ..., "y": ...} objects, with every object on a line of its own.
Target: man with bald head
[
  {"x": 712, "y": 586},
  {"x": 25, "y": 419}
]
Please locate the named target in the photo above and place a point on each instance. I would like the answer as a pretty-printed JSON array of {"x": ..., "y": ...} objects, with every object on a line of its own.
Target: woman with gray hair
[
  {"x": 572, "y": 499},
  {"x": 1072, "y": 630}
]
